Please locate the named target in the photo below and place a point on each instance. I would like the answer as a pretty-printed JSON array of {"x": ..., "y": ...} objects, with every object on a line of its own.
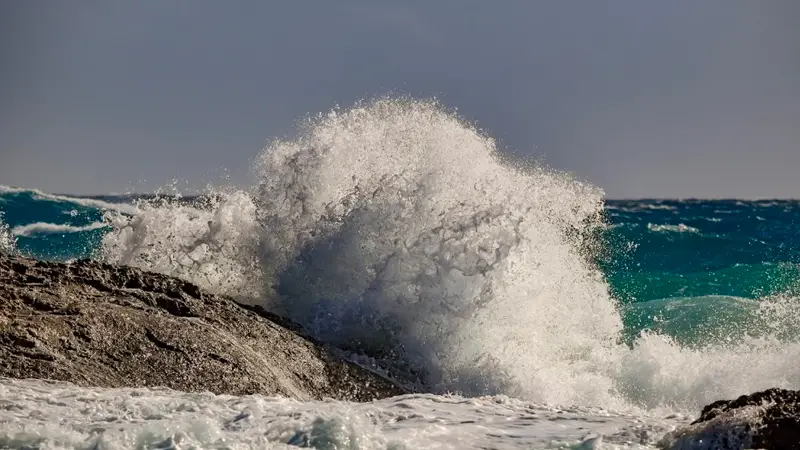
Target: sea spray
[
  {"x": 211, "y": 241},
  {"x": 7, "y": 240},
  {"x": 393, "y": 229}
]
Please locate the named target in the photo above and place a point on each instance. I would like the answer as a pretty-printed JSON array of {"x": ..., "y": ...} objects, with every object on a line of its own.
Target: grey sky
[{"x": 643, "y": 98}]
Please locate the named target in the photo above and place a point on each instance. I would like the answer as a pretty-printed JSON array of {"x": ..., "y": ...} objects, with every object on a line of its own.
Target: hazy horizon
[{"x": 645, "y": 100}]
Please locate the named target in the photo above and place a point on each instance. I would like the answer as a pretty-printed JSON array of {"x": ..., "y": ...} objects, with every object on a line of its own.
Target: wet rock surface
[
  {"x": 95, "y": 324},
  {"x": 767, "y": 419}
]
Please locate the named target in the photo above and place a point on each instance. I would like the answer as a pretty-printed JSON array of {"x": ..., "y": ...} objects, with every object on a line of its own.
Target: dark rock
[
  {"x": 95, "y": 324},
  {"x": 766, "y": 420}
]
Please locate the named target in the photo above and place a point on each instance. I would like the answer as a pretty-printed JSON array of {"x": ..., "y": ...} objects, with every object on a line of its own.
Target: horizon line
[{"x": 6, "y": 189}]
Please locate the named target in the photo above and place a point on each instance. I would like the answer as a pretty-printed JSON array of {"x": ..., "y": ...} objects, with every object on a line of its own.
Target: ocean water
[{"x": 528, "y": 310}]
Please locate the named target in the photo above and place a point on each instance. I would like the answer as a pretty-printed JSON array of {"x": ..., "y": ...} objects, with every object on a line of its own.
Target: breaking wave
[{"x": 395, "y": 230}]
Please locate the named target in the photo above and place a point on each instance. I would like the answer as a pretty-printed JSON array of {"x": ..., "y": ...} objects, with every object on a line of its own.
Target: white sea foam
[
  {"x": 53, "y": 228},
  {"x": 36, "y": 414},
  {"x": 394, "y": 229}
]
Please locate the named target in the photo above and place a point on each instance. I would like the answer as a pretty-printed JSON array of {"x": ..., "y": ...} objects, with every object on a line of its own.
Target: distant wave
[
  {"x": 679, "y": 228},
  {"x": 53, "y": 228},
  {"x": 11, "y": 189},
  {"x": 124, "y": 207}
]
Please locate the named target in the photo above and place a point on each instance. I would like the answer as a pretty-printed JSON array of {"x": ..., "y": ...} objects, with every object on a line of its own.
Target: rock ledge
[
  {"x": 765, "y": 420},
  {"x": 101, "y": 325}
]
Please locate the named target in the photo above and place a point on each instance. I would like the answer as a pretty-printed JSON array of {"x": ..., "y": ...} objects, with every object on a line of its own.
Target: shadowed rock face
[
  {"x": 765, "y": 420},
  {"x": 95, "y": 324}
]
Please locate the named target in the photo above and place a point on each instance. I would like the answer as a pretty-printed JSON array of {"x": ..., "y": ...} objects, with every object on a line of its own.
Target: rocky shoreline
[{"x": 94, "y": 324}]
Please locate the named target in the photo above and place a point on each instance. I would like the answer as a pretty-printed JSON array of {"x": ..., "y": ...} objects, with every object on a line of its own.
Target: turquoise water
[
  {"x": 692, "y": 269},
  {"x": 696, "y": 269},
  {"x": 44, "y": 215},
  {"x": 692, "y": 248}
]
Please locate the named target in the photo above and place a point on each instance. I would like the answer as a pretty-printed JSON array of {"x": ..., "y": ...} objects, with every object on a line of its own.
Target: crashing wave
[{"x": 394, "y": 229}]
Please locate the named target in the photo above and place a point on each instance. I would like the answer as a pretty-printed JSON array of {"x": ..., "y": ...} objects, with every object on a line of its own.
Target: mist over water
[{"x": 394, "y": 230}]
